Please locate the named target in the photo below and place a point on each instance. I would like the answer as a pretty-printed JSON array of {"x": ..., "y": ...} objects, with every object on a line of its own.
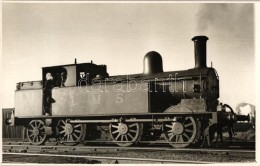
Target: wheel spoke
[
  {"x": 42, "y": 133},
  {"x": 189, "y": 124},
  {"x": 77, "y": 126},
  {"x": 171, "y": 137},
  {"x": 188, "y": 130},
  {"x": 186, "y": 136},
  {"x": 77, "y": 131},
  {"x": 134, "y": 131},
  {"x": 177, "y": 138},
  {"x": 181, "y": 138},
  {"x": 75, "y": 136},
  {"x": 117, "y": 136},
  {"x": 115, "y": 126},
  {"x": 116, "y": 131},
  {"x": 132, "y": 125},
  {"x": 71, "y": 138},
  {"x": 63, "y": 131},
  {"x": 170, "y": 131},
  {"x": 130, "y": 135},
  {"x": 126, "y": 137}
]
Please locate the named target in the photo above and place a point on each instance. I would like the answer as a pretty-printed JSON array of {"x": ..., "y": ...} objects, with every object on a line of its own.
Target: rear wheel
[{"x": 36, "y": 132}]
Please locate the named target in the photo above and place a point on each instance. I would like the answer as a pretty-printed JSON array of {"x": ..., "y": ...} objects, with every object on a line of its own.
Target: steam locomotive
[{"x": 180, "y": 108}]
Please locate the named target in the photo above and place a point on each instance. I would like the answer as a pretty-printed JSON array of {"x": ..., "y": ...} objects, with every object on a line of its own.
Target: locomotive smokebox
[
  {"x": 152, "y": 63},
  {"x": 200, "y": 49}
]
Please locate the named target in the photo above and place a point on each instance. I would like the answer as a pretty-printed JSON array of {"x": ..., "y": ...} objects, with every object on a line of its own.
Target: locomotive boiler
[{"x": 85, "y": 104}]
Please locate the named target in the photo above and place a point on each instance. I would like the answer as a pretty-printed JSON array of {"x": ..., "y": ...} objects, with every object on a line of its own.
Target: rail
[
  {"x": 114, "y": 154},
  {"x": 116, "y": 160}
]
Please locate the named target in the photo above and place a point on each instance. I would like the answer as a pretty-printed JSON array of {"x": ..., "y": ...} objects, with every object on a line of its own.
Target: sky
[{"x": 36, "y": 35}]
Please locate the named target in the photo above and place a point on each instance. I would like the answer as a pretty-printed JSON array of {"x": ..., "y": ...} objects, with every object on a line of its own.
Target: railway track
[
  {"x": 111, "y": 160},
  {"x": 116, "y": 154},
  {"x": 58, "y": 148}
]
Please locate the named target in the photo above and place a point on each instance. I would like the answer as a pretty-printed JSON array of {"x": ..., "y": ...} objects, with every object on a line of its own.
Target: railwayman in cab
[
  {"x": 60, "y": 79},
  {"x": 47, "y": 94}
]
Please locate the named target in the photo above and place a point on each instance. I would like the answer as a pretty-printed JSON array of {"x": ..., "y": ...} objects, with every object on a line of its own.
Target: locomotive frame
[{"x": 87, "y": 104}]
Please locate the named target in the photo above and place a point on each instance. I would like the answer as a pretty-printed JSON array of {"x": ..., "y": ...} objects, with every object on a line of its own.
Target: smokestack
[{"x": 200, "y": 49}]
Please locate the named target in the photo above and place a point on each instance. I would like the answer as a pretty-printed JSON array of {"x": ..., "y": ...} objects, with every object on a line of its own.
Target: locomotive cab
[
  {"x": 74, "y": 74},
  {"x": 57, "y": 79}
]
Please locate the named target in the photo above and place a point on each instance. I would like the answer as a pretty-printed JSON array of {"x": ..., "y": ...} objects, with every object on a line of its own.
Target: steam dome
[{"x": 152, "y": 63}]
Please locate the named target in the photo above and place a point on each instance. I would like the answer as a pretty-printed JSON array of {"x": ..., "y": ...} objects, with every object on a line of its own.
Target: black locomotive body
[{"x": 86, "y": 104}]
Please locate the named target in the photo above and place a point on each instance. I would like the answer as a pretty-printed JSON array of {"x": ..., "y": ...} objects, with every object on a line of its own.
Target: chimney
[{"x": 200, "y": 49}]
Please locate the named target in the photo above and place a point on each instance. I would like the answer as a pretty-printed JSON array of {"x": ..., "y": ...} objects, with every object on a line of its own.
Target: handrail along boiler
[{"x": 176, "y": 107}]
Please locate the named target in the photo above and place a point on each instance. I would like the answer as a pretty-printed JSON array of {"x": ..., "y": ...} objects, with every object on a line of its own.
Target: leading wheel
[
  {"x": 213, "y": 136},
  {"x": 36, "y": 132},
  {"x": 70, "y": 134},
  {"x": 125, "y": 134},
  {"x": 181, "y": 132}
]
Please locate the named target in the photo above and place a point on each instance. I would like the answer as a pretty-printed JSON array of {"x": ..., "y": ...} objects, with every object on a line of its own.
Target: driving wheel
[
  {"x": 181, "y": 132},
  {"x": 70, "y": 133},
  {"x": 125, "y": 134}
]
